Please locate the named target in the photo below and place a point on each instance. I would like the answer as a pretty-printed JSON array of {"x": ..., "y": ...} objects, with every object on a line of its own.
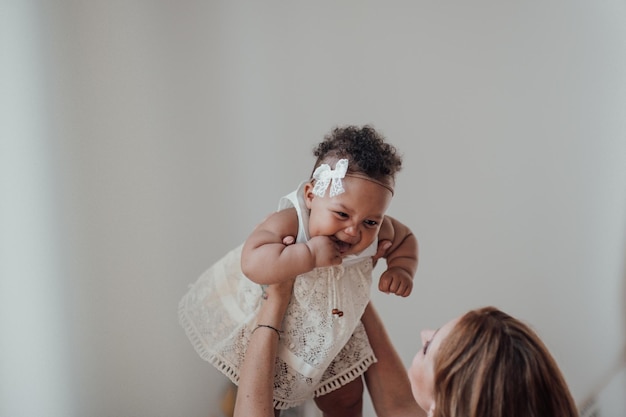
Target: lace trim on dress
[
  {"x": 350, "y": 376},
  {"x": 195, "y": 338}
]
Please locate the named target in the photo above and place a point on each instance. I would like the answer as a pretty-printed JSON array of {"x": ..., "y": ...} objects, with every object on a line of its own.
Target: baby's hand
[
  {"x": 396, "y": 281},
  {"x": 324, "y": 251}
]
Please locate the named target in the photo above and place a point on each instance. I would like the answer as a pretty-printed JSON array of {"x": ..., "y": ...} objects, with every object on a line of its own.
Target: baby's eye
[
  {"x": 371, "y": 223},
  {"x": 341, "y": 214}
]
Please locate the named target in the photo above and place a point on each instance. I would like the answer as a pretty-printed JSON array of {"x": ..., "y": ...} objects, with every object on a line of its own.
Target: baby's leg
[{"x": 346, "y": 401}]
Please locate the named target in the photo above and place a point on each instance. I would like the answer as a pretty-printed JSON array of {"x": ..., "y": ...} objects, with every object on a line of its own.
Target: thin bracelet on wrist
[{"x": 278, "y": 332}]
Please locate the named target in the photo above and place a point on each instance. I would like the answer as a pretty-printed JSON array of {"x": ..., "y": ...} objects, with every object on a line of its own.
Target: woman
[
  {"x": 487, "y": 363},
  {"x": 482, "y": 364}
]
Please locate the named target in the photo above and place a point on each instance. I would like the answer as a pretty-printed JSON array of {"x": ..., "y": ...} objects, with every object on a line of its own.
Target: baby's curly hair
[{"x": 365, "y": 149}]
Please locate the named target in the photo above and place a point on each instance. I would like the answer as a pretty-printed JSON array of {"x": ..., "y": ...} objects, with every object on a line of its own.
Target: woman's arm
[
  {"x": 387, "y": 380},
  {"x": 256, "y": 388}
]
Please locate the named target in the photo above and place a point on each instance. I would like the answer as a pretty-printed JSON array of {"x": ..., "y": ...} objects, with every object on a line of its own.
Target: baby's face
[{"x": 351, "y": 219}]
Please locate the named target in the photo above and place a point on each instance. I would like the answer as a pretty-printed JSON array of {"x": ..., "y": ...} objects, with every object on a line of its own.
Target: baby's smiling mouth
[{"x": 342, "y": 246}]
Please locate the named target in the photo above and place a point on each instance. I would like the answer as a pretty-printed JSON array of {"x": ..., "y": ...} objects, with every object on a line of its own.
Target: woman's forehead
[{"x": 445, "y": 330}]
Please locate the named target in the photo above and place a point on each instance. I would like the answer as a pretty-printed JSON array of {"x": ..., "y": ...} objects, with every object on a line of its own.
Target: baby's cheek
[
  {"x": 369, "y": 236},
  {"x": 364, "y": 244}
]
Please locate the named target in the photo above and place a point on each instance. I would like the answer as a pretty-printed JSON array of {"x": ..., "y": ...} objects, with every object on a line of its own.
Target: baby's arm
[
  {"x": 268, "y": 258},
  {"x": 401, "y": 258}
]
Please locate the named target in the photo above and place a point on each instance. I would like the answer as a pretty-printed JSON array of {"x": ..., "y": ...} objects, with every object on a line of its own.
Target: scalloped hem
[
  {"x": 345, "y": 378},
  {"x": 192, "y": 333},
  {"x": 232, "y": 373}
]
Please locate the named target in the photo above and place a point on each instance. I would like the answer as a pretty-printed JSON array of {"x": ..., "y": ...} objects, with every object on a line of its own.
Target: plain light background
[{"x": 141, "y": 140}]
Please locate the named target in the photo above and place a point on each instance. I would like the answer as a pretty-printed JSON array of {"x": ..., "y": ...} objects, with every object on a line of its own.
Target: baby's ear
[{"x": 308, "y": 194}]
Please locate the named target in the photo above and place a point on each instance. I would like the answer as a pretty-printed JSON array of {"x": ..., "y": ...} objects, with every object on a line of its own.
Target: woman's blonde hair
[{"x": 493, "y": 365}]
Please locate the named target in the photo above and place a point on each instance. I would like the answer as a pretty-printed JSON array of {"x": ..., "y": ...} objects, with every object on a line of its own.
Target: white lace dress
[{"x": 318, "y": 351}]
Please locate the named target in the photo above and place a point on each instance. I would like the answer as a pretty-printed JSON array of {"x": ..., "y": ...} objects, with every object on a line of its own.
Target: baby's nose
[{"x": 352, "y": 230}]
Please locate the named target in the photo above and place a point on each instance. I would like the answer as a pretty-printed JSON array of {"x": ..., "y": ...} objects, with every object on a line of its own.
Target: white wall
[{"x": 166, "y": 130}]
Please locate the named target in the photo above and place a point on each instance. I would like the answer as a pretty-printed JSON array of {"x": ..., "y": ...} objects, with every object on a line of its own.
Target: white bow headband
[{"x": 324, "y": 176}]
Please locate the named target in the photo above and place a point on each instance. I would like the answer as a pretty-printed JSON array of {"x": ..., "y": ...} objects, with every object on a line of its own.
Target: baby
[{"x": 324, "y": 235}]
